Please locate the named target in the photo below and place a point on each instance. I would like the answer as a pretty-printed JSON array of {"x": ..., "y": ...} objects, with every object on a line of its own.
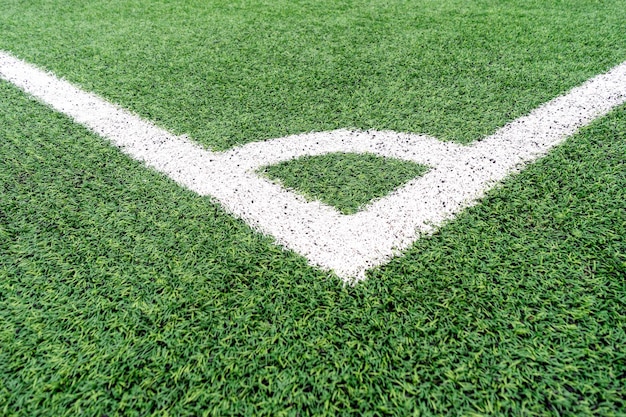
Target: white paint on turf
[{"x": 346, "y": 244}]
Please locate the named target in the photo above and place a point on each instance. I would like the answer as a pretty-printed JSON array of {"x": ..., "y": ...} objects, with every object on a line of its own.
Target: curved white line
[{"x": 348, "y": 245}]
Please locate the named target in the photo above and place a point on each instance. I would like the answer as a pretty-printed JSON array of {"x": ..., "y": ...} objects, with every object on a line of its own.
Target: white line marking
[{"x": 348, "y": 245}]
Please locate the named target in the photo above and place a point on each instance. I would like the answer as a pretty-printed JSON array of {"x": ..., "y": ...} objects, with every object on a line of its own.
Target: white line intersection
[{"x": 347, "y": 244}]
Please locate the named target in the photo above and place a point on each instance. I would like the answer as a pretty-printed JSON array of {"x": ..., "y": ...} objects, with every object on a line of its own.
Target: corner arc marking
[{"x": 346, "y": 244}]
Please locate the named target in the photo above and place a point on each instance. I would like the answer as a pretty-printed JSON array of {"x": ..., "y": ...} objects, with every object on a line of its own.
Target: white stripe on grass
[{"x": 346, "y": 244}]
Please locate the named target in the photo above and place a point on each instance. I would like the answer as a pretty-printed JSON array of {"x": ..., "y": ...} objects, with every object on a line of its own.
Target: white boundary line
[{"x": 346, "y": 244}]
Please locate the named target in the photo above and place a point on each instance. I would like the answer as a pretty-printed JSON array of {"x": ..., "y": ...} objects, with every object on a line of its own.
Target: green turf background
[
  {"x": 346, "y": 181},
  {"x": 228, "y": 72},
  {"x": 123, "y": 294}
]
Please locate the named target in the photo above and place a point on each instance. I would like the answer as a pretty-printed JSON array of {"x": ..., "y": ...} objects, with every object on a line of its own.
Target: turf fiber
[
  {"x": 123, "y": 294},
  {"x": 345, "y": 181},
  {"x": 230, "y": 72}
]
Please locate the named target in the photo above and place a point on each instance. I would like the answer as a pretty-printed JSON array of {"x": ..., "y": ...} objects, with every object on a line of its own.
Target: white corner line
[{"x": 349, "y": 245}]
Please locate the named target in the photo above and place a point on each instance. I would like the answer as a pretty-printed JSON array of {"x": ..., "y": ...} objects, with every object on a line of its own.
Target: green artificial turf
[
  {"x": 346, "y": 181},
  {"x": 230, "y": 72},
  {"x": 123, "y": 294}
]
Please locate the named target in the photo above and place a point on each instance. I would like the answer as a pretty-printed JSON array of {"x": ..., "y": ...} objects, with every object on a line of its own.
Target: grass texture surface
[
  {"x": 345, "y": 181},
  {"x": 231, "y": 72},
  {"x": 123, "y": 294}
]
